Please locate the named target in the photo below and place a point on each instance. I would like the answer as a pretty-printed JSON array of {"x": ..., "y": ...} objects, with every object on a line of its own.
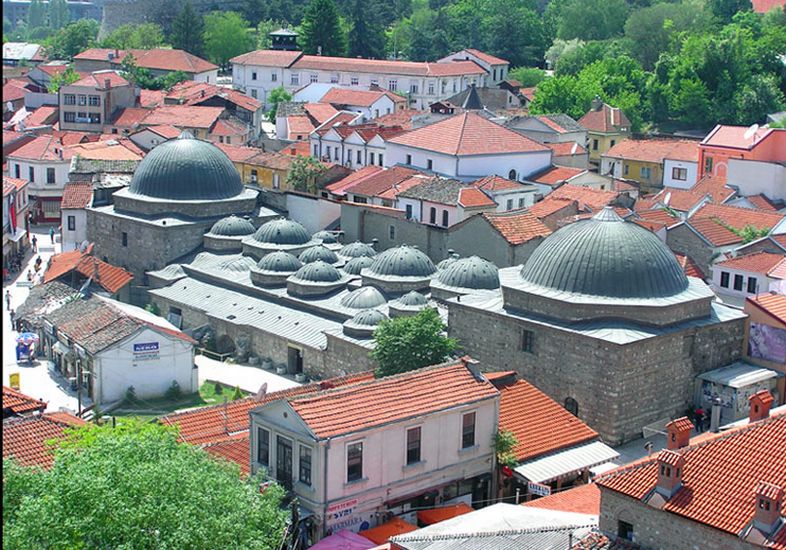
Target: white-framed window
[
  {"x": 430, "y": 88},
  {"x": 334, "y": 79},
  {"x": 679, "y": 173},
  {"x": 413, "y": 444},
  {"x": 94, "y": 101},
  {"x": 253, "y": 93},
  {"x": 313, "y": 77},
  {"x": 392, "y": 85},
  {"x": 82, "y": 99},
  {"x": 413, "y": 88},
  {"x": 72, "y": 223},
  {"x": 354, "y": 81},
  {"x": 69, "y": 99},
  {"x": 294, "y": 79}
]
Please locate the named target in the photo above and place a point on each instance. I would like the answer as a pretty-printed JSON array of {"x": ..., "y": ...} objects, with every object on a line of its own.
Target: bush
[
  {"x": 174, "y": 391},
  {"x": 152, "y": 307},
  {"x": 238, "y": 394},
  {"x": 218, "y": 388},
  {"x": 130, "y": 395}
]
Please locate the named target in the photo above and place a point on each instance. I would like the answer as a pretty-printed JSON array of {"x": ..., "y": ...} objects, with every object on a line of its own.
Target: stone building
[{"x": 602, "y": 318}]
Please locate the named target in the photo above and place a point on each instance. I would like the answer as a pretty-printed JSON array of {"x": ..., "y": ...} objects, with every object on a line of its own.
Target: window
[
  {"x": 433, "y": 215},
  {"x": 413, "y": 88},
  {"x": 468, "y": 430},
  {"x": 72, "y": 223},
  {"x": 253, "y": 93},
  {"x": 408, "y": 208},
  {"x": 354, "y": 461},
  {"x": 17, "y": 169},
  {"x": 254, "y": 175},
  {"x": 305, "y": 465},
  {"x": 294, "y": 79},
  {"x": 512, "y": 175},
  {"x": 527, "y": 336},
  {"x": 263, "y": 446},
  {"x": 81, "y": 117},
  {"x": 444, "y": 218},
  {"x": 624, "y": 530},
  {"x": 429, "y": 164},
  {"x": 371, "y": 158},
  {"x": 613, "y": 141},
  {"x": 645, "y": 172},
  {"x": 753, "y": 283},
  {"x": 725, "y": 279},
  {"x": 572, "y": 406},
  {"x": 276, "y": 181},
  {"x": 316, "y": 150},
  {"x": 430, "y": 88},
  {"x": 50, "y": 175},
  {"x": 707, "y": 165},
  {"x": 413, "y": 445},
  {"x": 594, "y": 144},
  {"x": 380, "y": 159},
  {"x": 31, "y": 173},
  {"x": 94, "y": 101},
  {"x": 335, "y": 153},
  {"x": 353, "y": 81},
  {"x": 360, "y": 156},
  {"x": 221, "y": 139},
  {"x": 625, "y": 169},
  {"x": 392, "y": 232},
  {"x": 69, "y": 99},
  {"x": 313, "y": 77},
  {"x": 521, "y": 202},
  {"x": 327, "y": 151},
  {"x": 273, "y": 77},
  {"x": 510, "y": 204},
  {"x": 679, "y": 173},
  {"x": 124, "y": 238},
  {"x": 82, "y": 100},
  {"x": 253, "y": 75},
  {"x": 334, "y": 79},
  {"x": 444, "y": 86},
  {"x": 375, "y": 82},
  {"x": 94, "y": 118},
  {"x": 409, "y": 159},
  {"x": 392, "y": 85},
  {"x": 738, "y": 282},
  {"x": 229, "y": 140},
  {"x": 495, "y": 74},
  {"x": 454, "y": 86}
]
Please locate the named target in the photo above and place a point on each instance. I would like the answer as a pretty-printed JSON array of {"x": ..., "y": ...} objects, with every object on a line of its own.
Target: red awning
[
  {"x": 382, "y": 533},
  {"x": 429, "y": 517}
]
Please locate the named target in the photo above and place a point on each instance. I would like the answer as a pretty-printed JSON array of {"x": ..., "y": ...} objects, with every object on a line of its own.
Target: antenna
[{"x": 751, "y": 132}]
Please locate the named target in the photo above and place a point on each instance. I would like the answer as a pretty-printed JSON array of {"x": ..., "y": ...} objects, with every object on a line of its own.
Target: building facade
[{"x": 88, "y": 104}]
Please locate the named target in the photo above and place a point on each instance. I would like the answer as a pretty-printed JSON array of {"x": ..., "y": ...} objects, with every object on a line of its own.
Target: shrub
[
  {"x": 238, "y": 394},
  {"x": 174, "y": 391},
  {"x": 218, "y": 388},
  {"x": 130, "y": 395}
]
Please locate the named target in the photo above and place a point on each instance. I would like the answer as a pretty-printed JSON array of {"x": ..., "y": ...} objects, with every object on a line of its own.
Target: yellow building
[
  {"x": 606, "y": 126},
  {"x": 644, "y": 160}
]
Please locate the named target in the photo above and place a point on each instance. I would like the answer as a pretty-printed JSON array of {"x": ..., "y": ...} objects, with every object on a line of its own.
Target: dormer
[
  {"x": 760, "y": 403},
  {"x": 678, "y": 433},
  {"x": 769, "y": 501},
  {"x": 671, "y": 468}
]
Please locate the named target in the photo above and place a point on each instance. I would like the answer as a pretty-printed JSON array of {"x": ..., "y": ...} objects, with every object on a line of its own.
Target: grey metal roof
[
  {"x": 318, "y": 253},
  {"x": 403, "y": 261},
  {"x": 232, "y": 226},
  {"x": 356, "y": 265},
  {"x": 237, "y": 265},
  {"x": 364, "y": 297},
  {"x": 472, "y": 272},
  {"x": 369, "y": 318},
  {"x": 318, "y": 272},
  {"x": 494, "y": 99},
  {"x": 186, "y": 169},
  {"x": 357, "y": 249},
  {"x": 170, "y": 272},
  {"x": 280, "y": 262},
  {"x": 605, "y": 256},
  {"x": 325, "y": 236},
  {"x": 282, "y": 231},
  {"x": 565, "y": 122},
  {"x": 437, "y": 189},
  {"x": 452, "y": 258}
]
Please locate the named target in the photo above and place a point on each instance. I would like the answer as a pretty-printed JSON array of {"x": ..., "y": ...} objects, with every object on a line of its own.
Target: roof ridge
[{"x": 498, "y": 532}]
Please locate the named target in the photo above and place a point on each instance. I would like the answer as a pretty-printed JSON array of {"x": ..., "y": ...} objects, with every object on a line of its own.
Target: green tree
[
  {"x": 136, "y": 486},
  {"x": 366, "y": 35},
  {"x": 504, "y": 445},
  {"x": 59, "y": 14},
  {"x": 321, "y": 29},
  {"x": 303, "y": 174},
  {"x": 72, "y": 39},
  {"x": 403, "y": 344},
  {"x": 277, "y": 95},
  {"x": 69, "y": 76},
  {"x": 142, "y": 77},
  {"x": 187, "y": 30},
  {"x": 725, "y": 10},
  {"x": 142, "y": 36},
  {"x": 513, "y": 32},
  {"x": 36, "y": 15},
  {"x": 264, "y": 28},
  {"x": 226, "y": 35},
  {"x": 527, "y": 76},
  {"x": 559, "y": 48},
  {"x": 592, "y": 19}
]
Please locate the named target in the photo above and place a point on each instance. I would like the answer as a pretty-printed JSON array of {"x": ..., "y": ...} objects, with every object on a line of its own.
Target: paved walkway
[{"x": 248, "y": 378}]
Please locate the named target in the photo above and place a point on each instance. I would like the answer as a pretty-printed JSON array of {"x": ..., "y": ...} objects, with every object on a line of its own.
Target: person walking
[
  {"x": 12, "y": 314},
  {"x": 698, "y": 415},
  {"x": 52, "y": 234},
  {"x": 34, "y": 241},
  {"x": 8, "y": 299}
]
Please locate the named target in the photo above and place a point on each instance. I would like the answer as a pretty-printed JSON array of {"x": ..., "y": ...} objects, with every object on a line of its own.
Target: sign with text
[
  {"x": 538, "y": 489},
  {"x": 339, "y": 515},
  {"x": 13, "y": 380},
  {"x": 145, "y": 351}
]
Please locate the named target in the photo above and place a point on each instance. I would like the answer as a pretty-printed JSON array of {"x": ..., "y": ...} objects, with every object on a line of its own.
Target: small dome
[
  {"x": 369, "y": 318},
  {"x": 282, "y": 231},
  {"x": 357, "y": 249},
  {"x": 451, "y": 259},
  {"x": 363, "y": 298},
  {"x": 237, "y": 265},
  {"x": 356, "y": 265},
  {"x": 318, "y": 272},
  {"x": 325, "y": 236},
  {"x": 606, "y": 257},
  {"x": 403, "y": 261},
  {"x": 472, "y": 272},
  {"x": 280, "y": 262},
  {"x": 413, "y": 299},
  {"x": 186, "y": 169},
  {"x": 232, "y": 226},
  {"x": 318, "y": 253}
]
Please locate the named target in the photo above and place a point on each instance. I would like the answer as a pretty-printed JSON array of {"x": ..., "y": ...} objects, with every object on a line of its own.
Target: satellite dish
[
  {"x": 574, "y": 148},
  {"x": 260, "y": 395},
  {"x": 751, "y": 132},
  {"x": 83, "y": 290},
  {"x": 667, "y": 198},
  {"x": 83, "y": 246}
]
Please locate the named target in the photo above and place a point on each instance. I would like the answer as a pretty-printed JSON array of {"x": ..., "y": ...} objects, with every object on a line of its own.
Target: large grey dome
[
  {"x": 232, "y": 226},
  {"x": 282, "y": 231},
  {"x": 364, "y": 297},
  {"x": 403, "y": 261},
  {"x": 472, "y": 272},
  {"x": 357, "y": 249},
  {"x": 413, "y": 298},
  {"x": 356, "y": 265},
  {"x": 279, "y": 262},
  {"x": 318, "y": 272},
  {"x": 607, "y": 257},
  {"x": 186, "y": 169},
  {"x": 318, "y": 253}
]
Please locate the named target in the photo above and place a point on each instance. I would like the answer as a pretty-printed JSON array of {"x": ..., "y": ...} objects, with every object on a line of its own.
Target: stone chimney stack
[
  {"x": 107, "y": 83},
  {"x": 671, "y": 466},
  {"x": 678, "y": 433},
  {"x": 760, "y": 403},
  {"x": 769, "y": 500}
]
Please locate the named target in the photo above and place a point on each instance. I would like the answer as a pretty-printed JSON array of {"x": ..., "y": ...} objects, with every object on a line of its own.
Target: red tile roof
[
  {"x": 359, "y": 98},
  {"x": 655, "y": 150},
  {"x": 584, "y": 499},
  {"x": 529, "y": 93},
  {"x": 402, "y": 118},
  {"x": 165, "y": 130},
  {"x": 42, "y": 148},
  {"x": 380, "y": 181},
  {"x": 471, "y": 197},
  {"x": 758, "y": 262},
  {"x": 402, "y": 186},
  {"x": 739, "y": 218},
  {"x": 320, "y": 111},
  {"x": 734, "y": 137},
  {"x": 680, "y": 199},
  {"x": 714, "y": 231},
  {"x": 26, "y": 438},
  {"x": 98, "y": 79},
  {"x": 689, "y": 267},
  {"x": 517, "y": 226},
  {"x": 488, "y": 58},
  {"x": 566, "y": 148},
  {"x": 496, "y": 183},
  {"x": 714, "y": 186},
  {"x": 216, "y": 422},
  {"x": 69, "y": 137},
  {"x": 267, "y": 58},
  {"x": 229, "y": 127},
  {"x": 658, "y": 215},
  {"x": 540, "y": 424},
  {"x": 130, "y": 117},
  {"x": 191, "y": 92},
  {"x": 763, "y": 6},
  {"x": 550, "y": 205},
  {"x": 19, "y": 403},
  {"x": 16, "y": 183},
  {"x": 237, "y": 153},
  {"x": 338, "y": 121},
  {"x": 556, "y": 175},
  {"x": 184, "y": 116},
  {"x": 761, "y": 202},
  {"x": 468, "y": 134},
  {"x": 77, "y": 195},
  {"x": 720, "y": 476},
  {"x": 606, "y": 120},
  {"x": 151, "y": 98},
  {"x": 771, "y": 303},
  {"x": 110, "y": 277},
  {"x": 116, "y": 148},
  {"x": 435, "y": 515},
  {"x": 594, "y": 199},
  {"x": 14, "y": 90},
  {"x": 234, "y": 449},
  {"x": 157, "y": 58},
  {"x": 382, "y": 533},
  {"x": 391, "y": 399},
  {"x": 339, "y": 187},
  {"x": 384, "y": 66},
  {"x": 45, "y": 115},
  {"x": 299, "y": 124}
]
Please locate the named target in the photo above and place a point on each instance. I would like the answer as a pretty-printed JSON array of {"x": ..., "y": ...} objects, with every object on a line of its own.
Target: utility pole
[{"x": 79, "y": 387}]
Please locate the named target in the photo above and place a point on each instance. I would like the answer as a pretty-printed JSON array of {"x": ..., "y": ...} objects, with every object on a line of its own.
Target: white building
[
  {"x": 372, "y": 103},
  {"x": 468, "y": 147},
  {"x": 76, "y": 198},
  {"x": 443, "y": 202},
  {"x": 393, "y": 444},
  {"x": 496, "y": 68},
  {"x": 736, "y": 279},
  {"x": 680, "y": 173},
  {"x": 754, "y": 177},
  {"x": 259, "y": 72}
]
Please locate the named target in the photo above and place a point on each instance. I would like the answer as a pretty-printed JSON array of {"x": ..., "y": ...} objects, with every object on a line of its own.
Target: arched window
[
  {"x": 433, "y": 215},
  {"x": 572, "y": 406},
  {"x": 512, "y": 175}
]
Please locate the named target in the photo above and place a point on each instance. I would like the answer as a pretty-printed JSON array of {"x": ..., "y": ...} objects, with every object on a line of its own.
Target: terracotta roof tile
[
  {"x": 400, "y": 187},
  {"x": 758, "y": 262},
  {"x": 529, "y": 93},
  {"x": 550, "y": 205},
  {"x": 584, "y": 499},
  {"x": 607, "y": 120},
  {"x": 658, "y": 215},
  {"x": 689, "y": 267},
  {"x": 270, "y": 159},
  {"x": 19, "y": 403},
  {"x": 110, "y": 277},
  {"x": 714, "y": 231},
  {"x": 111, "y": 149},
  {"x": 714, "y": 186},
  {"x": 655, "y": 150},
  {"x": 496, "y": 183},
  {"x": 380, "y": 181},
  {"x": 157, "y": 58},
  {"x": 517, "y": 226},
  {"x": 216, "y": 422},
  {"x": 770, "y": 302},
  {"x": 540, "y": 424},
  {"x": 130, "y": 117},
  {"x": 556, "y": 175},
  {"x": 267, "y": 58},
  {"x": 384, "y": 66},
  {"x": 184, "y": 116},
  {"x": 594, "y": 199},
  {"x": 151, "y": 98},
  {"x": 472, "y": 197},
  {"x": 435, "y": 515},
  {"x": 165, "y": 130},
  {"x": 566, "y": 148},
  {"x": 339, "y": 187},
  {"x": 45, "y": 115},
  {"x": 97, "y": 79},
  {"x": 720, "y": 477},
  {"x": 681, "y": 199},
  {"x": 401, "y": 118},
  {"x": 735, "y": 137},
  {"x": 488, "y": 58},
  {"x": 599, "y": 541},
  {"x": 77, "y": 195},
  {"x": 468, "y": 134},
  {"x": 739, "y": 218},
  {"x": 359, "y": 98},
  {"x": 299, "y": 124},
  {"x": 229, "y": 127},
  {"x": 26, "y": 438},
  {"x": 234, "y": 449},
  {"x": 192, "y": 92},
  {"x": 761, "y": 202},
  {"x": 15, "y": 183},
  {"x": 382, "y": 533},
  {"x": 42, "y": 148},
  {"x": 390, "y": 399},
  {"x": 14, "y": 90}
]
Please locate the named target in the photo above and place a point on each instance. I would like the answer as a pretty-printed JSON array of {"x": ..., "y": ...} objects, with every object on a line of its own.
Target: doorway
[{"x": 284, "y": 461}]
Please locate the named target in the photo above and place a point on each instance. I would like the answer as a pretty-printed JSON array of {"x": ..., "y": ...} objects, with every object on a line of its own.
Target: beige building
[
  {"x": 606, "y": 126},
  {"x": 89, "y": 103}
]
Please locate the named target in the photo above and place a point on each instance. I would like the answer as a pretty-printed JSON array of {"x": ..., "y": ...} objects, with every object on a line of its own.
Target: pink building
[{"x": 737, "y": 142}]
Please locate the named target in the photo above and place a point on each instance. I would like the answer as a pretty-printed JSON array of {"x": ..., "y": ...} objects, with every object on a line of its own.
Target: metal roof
[
  {"x": 402, "y": 261},
  {"x": 282, "y": 231},
  {"x": 472, "y": 272},
  {"x": 739, "y": 375},
  {"x": 232, "y": 226},
  {"x": 567, "y": 461}
]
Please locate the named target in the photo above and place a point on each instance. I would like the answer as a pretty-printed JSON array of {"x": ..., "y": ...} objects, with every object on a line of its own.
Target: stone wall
[
  {"x": 214, "y": 209},
  {"x": 683, "y": 240},
  {"x": 654, "y": 528}
]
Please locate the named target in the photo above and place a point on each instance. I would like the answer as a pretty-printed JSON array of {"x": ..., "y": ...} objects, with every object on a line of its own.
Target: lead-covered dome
[
  {"x": 282, "y": 231},
  {"x": 186, "y": 169},
  {"x": 279, "y": 262},
  {"x": 403, "y": 261},
  {"x": 318, "y": 253},
  {"x": 318, "y": 272},
  {"x": 357, "y": 249},
  {"x": 232, "y": 226},
  {"x": 325, "y": 236},
  {"x": 605, "y": 257},
  {"x": 356, "y": 265},
  {"x": 365, "y": 297},
  {"x": 473, "y": 272}
]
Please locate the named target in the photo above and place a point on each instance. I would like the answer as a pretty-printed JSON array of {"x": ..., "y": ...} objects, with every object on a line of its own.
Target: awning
[
  {"x": 603, "y": 468},
  {"x": 16, "y": 237},
  {"x": 57, "y": 347},
  {"x": 435, "y": 515},
  {"x": 573, "y": 459},
  {"x": 383, "y": 533},
  {"x": 344, "y": 540}
]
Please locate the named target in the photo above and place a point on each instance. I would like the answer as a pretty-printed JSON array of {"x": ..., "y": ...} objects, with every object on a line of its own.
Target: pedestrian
[
  {"x": 8, "y": 299},
  {"x": 35, "y": 243},
  {"x": 698, "y": 415},
  {"x": 11, "y": 313},
  {"x": 30, "y": 275},
  {"x": 52, "y": 234}
]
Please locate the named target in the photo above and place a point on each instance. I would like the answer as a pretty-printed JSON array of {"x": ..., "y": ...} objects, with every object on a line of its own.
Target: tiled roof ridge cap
[{"x": 496, "y": 533}]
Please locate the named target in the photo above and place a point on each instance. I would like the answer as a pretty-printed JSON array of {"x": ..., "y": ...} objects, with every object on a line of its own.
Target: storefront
[{"x": 733, "y": 385}]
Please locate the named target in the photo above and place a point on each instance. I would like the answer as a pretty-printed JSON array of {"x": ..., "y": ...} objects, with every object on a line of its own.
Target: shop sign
[
  {"x": 538, "y": 489},
  {"x": 339, "y": 516},
  {"x": 13, "y": 380},
  {"x": 145, "y": 351}
]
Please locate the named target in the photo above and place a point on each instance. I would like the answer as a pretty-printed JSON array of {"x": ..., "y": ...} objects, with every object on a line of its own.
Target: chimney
[
  {"x": 678, "y": 433},
  {"x": 203, "y": 93},
  {"x": 107, "y": 83},
  {"x": 374, "y": 243},
  {"x": 671, "y": 466},
  {"x": 715, "y": 416},
  {"x": 760, "y": 403},
  {"x": 319, "y": 50},
  {"x": 596, "y": 104},
  {"x": 292, "y": 150},
  {"x": 769, "y": 500}
]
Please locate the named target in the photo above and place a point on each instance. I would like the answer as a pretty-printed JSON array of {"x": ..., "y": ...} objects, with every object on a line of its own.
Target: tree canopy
[
  {"x": 303, "y": 174},
  {"x": 142, "y": 36},
  {"x": 403, "y": 344},
  {"x": 322, "y": 30},
  {"x": 72, "y": 39},
  {"x": 135, "y": 486},
  {"x": 226, "y": 35},
  {"x": 187, "y": 30}
]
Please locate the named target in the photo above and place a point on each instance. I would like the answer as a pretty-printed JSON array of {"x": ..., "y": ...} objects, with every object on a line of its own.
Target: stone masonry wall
[{"x": 683, "y": 240}]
